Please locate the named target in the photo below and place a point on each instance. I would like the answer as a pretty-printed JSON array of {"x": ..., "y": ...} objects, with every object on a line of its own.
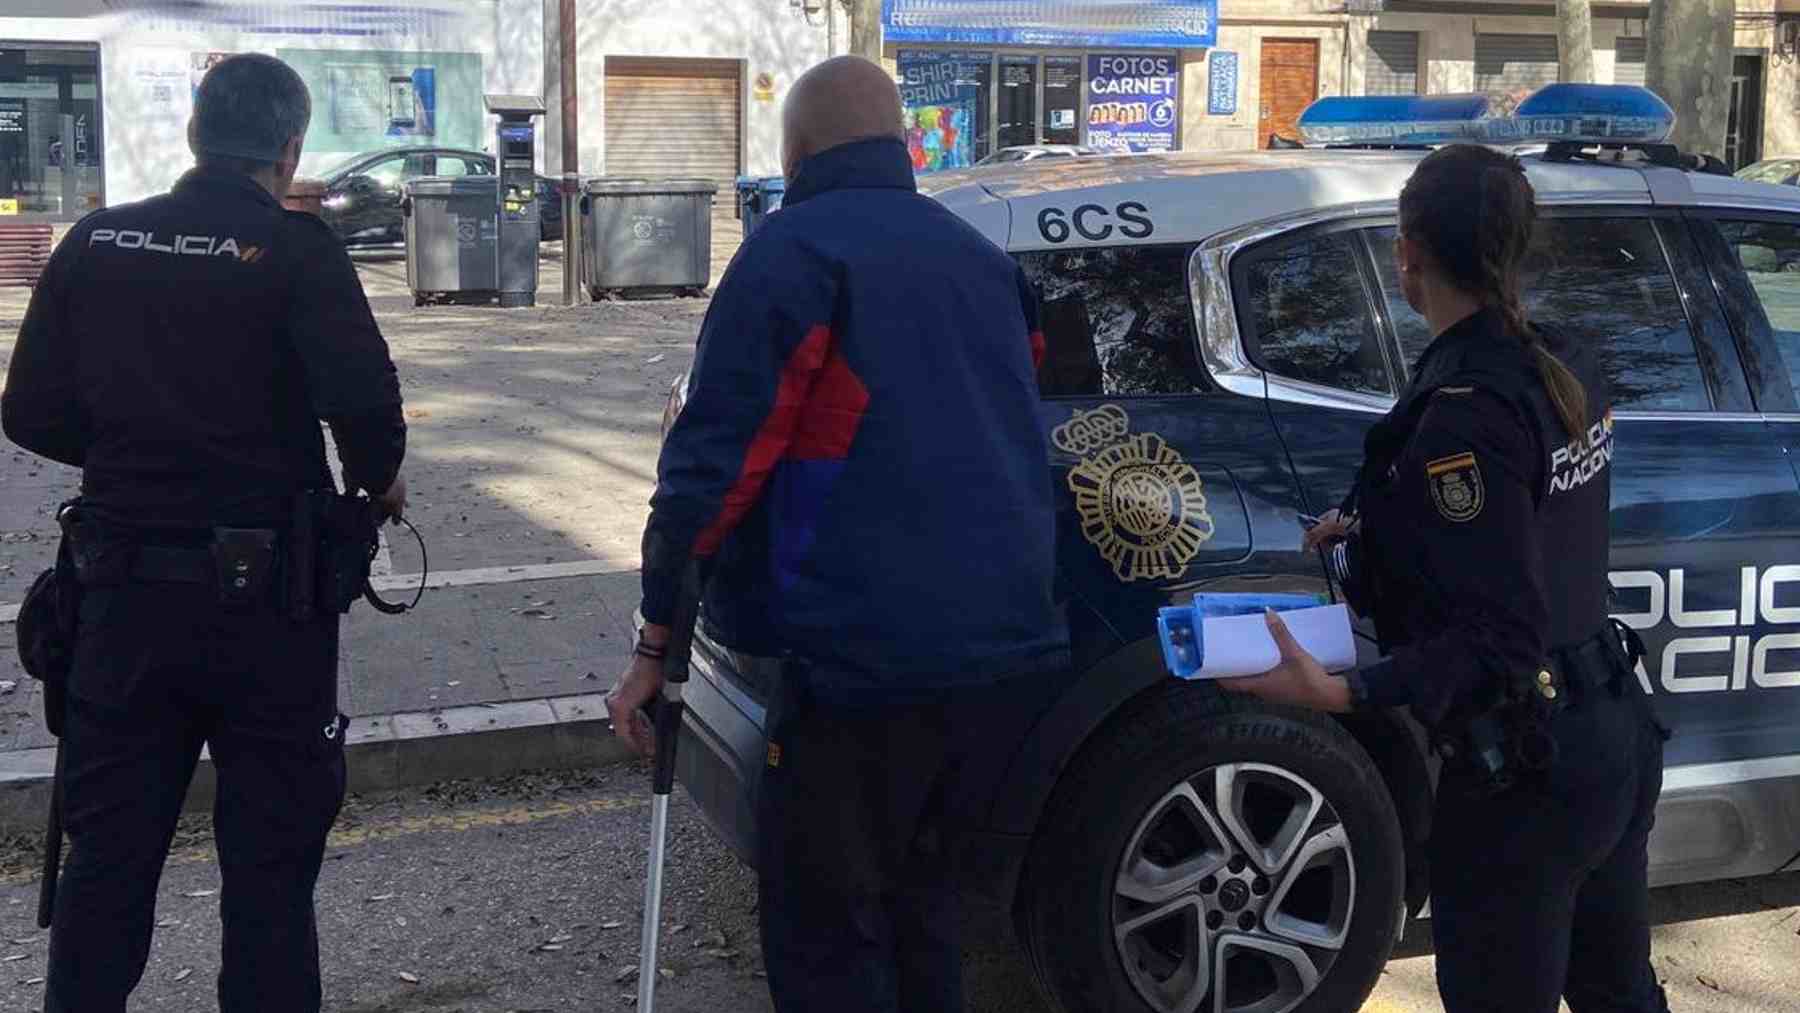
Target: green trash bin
[
  {"x": 452, "y": 238},
  {"x": 645, "y": 237}
]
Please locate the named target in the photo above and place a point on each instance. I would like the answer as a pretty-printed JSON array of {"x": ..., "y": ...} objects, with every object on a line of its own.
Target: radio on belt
[{"x": 520, "y": 225}]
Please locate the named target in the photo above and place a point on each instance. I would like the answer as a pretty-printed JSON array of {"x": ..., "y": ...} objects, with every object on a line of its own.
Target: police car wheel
[{"x": 1204, "y": 848}]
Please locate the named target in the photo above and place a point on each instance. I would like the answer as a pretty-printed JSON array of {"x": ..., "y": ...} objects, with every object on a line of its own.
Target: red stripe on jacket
[
  {"x": 772, "y": 438},
  {"x": 832, "y": 415},
  {"x": 1037, "y": 349}
]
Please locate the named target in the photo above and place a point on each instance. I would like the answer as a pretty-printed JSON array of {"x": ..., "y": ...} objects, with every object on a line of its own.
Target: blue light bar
[
  {"x": 1579, "y": 113},
  {"x": 1399, "y": 119},
  {"x": 1596, "y": 114}
]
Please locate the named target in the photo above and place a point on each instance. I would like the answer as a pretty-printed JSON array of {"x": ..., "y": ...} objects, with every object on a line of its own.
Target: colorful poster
[
  {"x": 1133, "y": 102},
  {"x": 1222, "y": 83},
  {"x": 941, "y": 93},
  {"x": 369, "y": 99}
]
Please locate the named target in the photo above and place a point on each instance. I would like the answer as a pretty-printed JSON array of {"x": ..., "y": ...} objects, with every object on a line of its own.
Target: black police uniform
[
  {"x": 1484, "y": 547},
  {"x": 181, "y": 351}
]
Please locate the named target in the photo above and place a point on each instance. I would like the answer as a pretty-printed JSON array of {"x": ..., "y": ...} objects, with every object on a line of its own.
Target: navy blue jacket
[{"x": 860, "y": 450}]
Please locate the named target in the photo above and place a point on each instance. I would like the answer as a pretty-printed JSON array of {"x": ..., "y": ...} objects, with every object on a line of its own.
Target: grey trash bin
[
  {"x": 453, "y": 238},
  {"x": 646, "y": 236}
]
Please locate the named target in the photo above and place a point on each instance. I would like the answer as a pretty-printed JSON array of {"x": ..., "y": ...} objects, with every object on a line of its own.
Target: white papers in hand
[{"x": 1236, "y": 646}]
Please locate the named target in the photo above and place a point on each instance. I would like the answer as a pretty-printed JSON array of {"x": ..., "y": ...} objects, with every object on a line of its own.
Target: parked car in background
[
  {"x": 1032, "y": 152},
  {"x": 363, "y": 193},
  {"x": 1784, "y": 170}
]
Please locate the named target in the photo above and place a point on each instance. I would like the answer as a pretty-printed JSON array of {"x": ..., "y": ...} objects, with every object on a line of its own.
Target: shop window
[
  {"x": 50, "y": 143},
  {"x": 1116, "y": 321},
  {"x": 945, "y": 96}
]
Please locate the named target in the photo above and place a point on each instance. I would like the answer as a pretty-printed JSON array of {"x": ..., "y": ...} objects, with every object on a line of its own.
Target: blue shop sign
[
  {"x": 1222, "y": 83},
  {"x": 1162, "y": 24}
]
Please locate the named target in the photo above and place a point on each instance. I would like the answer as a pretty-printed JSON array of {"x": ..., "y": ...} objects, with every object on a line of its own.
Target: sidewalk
[{"x": 531, "y": 459}]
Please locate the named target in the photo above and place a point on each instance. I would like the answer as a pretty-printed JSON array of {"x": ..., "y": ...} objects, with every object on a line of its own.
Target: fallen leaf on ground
[
  {"x": 1709, "y": 983},
  {"x": 200, "y": 893},
  {"x": 628, "y": 974},
  {"x": 561, "y": 937},
  {"x": 611, "y": 925},
  {"x": 654, "y": 359},
  {"x": 16, "y": 956},
  {"x": 8, "y": 685},
  {"x": 537, "y": 614},
  {"x": 378, "y": 898},
  {"x": 676, "y": 930},
  {"x": 409, "y": 977},
  {"x": 32, "y": 981},
  {"x": 182, "y": 975}
]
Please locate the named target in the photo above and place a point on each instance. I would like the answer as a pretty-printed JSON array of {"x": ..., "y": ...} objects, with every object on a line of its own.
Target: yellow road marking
[{"x": 449, "y": 823}]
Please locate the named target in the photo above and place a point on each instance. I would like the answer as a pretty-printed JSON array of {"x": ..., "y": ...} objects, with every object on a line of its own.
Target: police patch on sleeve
[{"x": 1456, "y": 487}]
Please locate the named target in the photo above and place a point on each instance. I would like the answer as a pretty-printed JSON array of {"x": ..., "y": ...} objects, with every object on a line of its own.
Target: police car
[{"x": 1221, "y": 329}]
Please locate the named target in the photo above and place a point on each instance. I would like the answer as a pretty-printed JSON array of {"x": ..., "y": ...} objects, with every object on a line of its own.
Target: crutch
[{"x": 666, "y": 717}]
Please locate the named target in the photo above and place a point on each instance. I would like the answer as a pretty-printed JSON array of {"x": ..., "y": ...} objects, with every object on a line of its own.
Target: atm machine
[{"x": 520, "y": 227}]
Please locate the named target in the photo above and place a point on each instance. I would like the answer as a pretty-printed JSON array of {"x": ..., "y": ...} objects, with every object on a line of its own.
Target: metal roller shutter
[
  {"x": 1629, "y": 57},
  {"x": 1393, "y": 64},
  {"x": 668, "y": 118},
  {"x": 1512, "y": 63}
]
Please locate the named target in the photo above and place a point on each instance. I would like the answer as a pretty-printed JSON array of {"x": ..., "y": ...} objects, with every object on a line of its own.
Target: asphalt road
[{"x": 525, "y": 895}]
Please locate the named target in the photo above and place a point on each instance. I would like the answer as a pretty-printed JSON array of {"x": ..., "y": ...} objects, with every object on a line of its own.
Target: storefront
[
  {"x": 979, "y": 76},
  {"x": 51, "y": 166}
]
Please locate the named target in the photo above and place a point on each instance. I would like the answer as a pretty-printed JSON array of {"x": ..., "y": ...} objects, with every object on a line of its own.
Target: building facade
[{"x": 95, "y": 94}]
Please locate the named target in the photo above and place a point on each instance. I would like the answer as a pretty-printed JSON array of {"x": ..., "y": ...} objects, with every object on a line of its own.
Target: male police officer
[
  {"x": 860, "y": 453},
  {"x": 181, "y": 351}
]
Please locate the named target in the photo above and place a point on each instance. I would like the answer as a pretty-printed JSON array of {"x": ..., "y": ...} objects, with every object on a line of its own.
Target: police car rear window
[{"x": 1116, "y": 320}]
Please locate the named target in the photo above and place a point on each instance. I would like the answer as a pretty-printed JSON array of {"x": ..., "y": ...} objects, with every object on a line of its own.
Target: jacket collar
[
  {"x": 1484, "y": 327},
  {"x": 878, "y": 163},
  {"x": 234, "y": 183}
]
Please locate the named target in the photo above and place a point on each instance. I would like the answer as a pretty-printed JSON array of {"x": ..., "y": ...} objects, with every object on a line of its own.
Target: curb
[{"x": 388, "y": 751}]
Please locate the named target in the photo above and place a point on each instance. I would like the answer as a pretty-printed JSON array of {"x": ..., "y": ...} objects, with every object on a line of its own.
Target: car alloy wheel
[{"x": 1234, "y": 893}]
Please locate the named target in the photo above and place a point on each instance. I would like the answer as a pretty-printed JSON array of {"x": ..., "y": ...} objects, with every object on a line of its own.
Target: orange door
[{"x": 1290, "y": 81}]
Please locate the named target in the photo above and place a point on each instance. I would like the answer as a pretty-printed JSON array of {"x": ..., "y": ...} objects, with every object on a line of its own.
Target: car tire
[{"x": 1144, "y": 795}]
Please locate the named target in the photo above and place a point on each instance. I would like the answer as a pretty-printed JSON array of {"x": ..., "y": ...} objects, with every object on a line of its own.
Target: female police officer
[{"x": 1478, "y": 543}]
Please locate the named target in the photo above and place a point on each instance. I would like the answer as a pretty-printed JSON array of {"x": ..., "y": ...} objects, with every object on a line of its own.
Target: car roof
[{"x": 1244, "y": 188}]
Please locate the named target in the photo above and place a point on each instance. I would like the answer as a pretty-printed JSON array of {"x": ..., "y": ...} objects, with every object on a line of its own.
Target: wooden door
[{"x": 1290, "y": 81}]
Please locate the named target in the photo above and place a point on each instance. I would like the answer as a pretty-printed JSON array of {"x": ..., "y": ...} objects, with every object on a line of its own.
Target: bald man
[{"x": 860, "y": 466}]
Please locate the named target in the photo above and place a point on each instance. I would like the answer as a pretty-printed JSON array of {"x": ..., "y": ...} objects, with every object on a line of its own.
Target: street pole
[
  {"x": 571, "y": 175},
  {"x": 830, "y": 28}
]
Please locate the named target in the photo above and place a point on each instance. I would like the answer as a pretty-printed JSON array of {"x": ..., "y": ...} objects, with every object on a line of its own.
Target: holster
[
  {"x": 335, "y": 538},
  {"x": 49, "y": 618}
]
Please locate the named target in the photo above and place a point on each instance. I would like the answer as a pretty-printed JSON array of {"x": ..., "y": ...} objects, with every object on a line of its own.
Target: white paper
[{"x": 1236, "y": 646}]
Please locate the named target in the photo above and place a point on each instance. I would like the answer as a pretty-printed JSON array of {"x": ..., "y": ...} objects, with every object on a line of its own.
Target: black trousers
[
  {"x": 1540, "y": 894},
  {"x": 159, "y": 672},
  {"x": 856, "y": 817}
]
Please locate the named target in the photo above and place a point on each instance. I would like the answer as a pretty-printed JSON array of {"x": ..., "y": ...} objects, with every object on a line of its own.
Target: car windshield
[
  {"x": 340, "y": 166},
  {"x": 1769, "y": 172}
]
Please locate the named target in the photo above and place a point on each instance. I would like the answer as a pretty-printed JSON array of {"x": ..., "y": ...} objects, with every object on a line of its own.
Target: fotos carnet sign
[{"x": 1133, "y": 102}]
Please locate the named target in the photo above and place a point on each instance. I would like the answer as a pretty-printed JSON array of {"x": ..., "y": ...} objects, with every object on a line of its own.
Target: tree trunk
[
  {"x": 1575, "y": 40},
  {"x": 1689, "y": 65},
  {"x": 865, "y": 28}
]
